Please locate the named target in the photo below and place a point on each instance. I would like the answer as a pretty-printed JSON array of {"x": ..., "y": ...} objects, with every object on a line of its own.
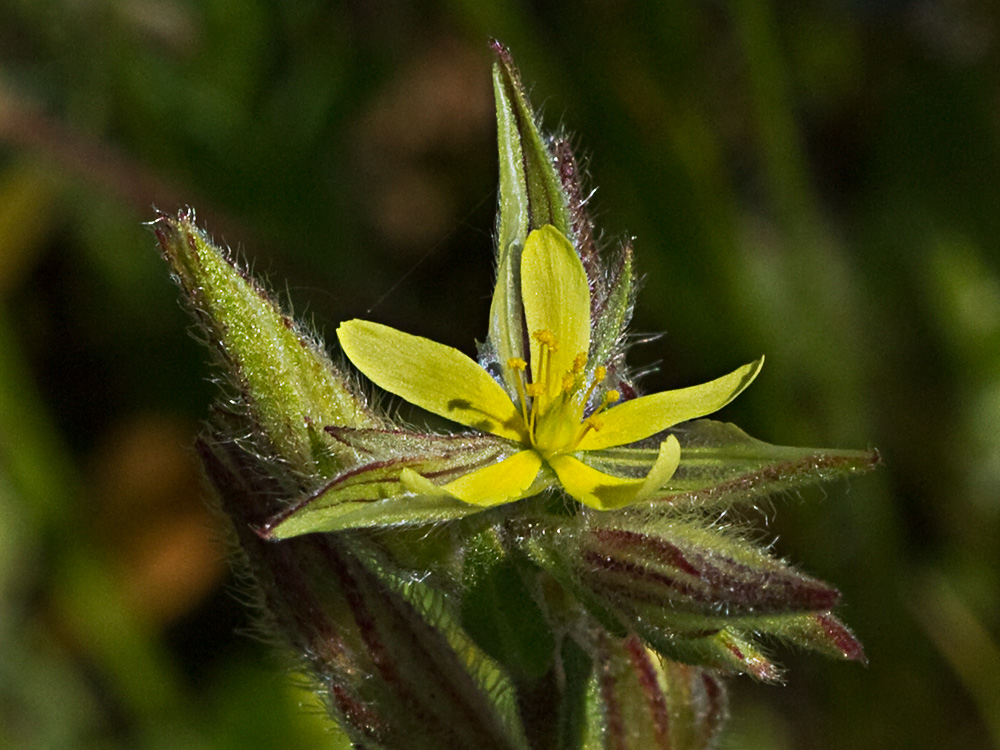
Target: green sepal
[
  {"x": 721, "y": 466},
  {"x": 370, "y": 494},
  {"x": 697, "y": 704},
  {"x": 725, "y": 650},
  {"x": 610, "y": 316},
  {"x": 736, "y": 649},
  {"x": 499, "y": 612},
  {"x": 630, "y": 709},
  {"x": 280, "y": 371},
  {"x": 531, "y": 192},
  {"x": 531, "y": 196},
  {"x": 815, "y": 631}
]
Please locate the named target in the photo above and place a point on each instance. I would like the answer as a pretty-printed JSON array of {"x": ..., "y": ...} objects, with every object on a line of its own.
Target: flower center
[{"x": 556, "y": 423}]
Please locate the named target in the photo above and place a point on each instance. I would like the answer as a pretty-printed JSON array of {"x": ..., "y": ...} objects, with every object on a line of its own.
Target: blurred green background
[{"x": 817, "y": 181}]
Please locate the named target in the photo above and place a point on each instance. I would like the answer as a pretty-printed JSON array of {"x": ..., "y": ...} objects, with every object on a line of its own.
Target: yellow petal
[
  {"x": 592, "y": 487},
  {"x": 556, "y": 298},
  {"x": 667, "y": 461},
  {"x": 606, "y": 492},
  {"x": 498, "y": 483},
  {"x": 645, "y": 416},
  {"x": 433, "y": 376},
  {"x": 495, "y": 484}
]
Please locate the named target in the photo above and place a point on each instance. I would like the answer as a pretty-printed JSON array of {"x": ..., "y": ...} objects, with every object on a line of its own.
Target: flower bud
[
  {"x": 641, "y": 701},
  {"x": 281, "y": 373}
]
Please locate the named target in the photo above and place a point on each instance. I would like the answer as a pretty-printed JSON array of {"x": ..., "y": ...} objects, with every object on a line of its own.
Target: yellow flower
[{"x": 559, "y": 408}]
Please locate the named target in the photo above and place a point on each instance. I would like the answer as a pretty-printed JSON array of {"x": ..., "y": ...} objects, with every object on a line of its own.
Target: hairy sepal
[
  {"x": 721, "y": 467},
  {"x": 371, "y": 494}
]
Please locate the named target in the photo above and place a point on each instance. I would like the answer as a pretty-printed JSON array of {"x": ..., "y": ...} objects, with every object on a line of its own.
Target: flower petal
[
  {"x": 433, "y": 376},
  {"x": 667, "y": 461},
  {"x": 645, "y": 416},
  {"x": 495, "y": 484},
  {"x": 498, "y": 483},
  {"x": 556, "y": 298},
  {"x": 606, "y": 492},
  {"x": 592, "y": 487}
]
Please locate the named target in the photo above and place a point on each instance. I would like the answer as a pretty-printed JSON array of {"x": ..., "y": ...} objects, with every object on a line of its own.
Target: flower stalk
[{"x": 553, "y": 573}]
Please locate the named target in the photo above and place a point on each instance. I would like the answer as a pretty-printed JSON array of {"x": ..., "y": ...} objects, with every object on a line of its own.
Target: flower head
[{"x": 555, "y": 406}]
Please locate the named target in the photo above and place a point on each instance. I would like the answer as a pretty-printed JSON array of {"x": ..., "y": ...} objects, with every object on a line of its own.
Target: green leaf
[
  {"x": 576, "y": 667},
  {"x": 385, "y": 648}
]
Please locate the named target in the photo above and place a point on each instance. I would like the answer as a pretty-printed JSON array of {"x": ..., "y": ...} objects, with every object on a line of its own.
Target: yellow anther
[
  {"x": 579, "y": 362},
  {"x": 599, "y": 373},
  {"x": 568, "y": 383},
  {"x": 545, "y": 337},
  {"x": 516, "y": 363},
  {"x": 611, "y": 397},
  {"x": 534, "y": 389}
]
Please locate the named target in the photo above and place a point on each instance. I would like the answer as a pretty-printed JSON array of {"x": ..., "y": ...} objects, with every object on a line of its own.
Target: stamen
[
  {"x": 548, "y": 343},
  {"x": 600, "y": 372},
  {"x": 535, "y": 390},
  {"x": 518, "y": 365},
  {"x": 593, "y": 422},
  {"x": 545, "y": 337},
  {"x": 563, "y": 404},
  {"x": 610, "y": 397}
]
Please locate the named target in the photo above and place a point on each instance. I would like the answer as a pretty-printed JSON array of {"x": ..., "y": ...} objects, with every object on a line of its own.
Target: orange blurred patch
[{"x": 149, "y": 511}]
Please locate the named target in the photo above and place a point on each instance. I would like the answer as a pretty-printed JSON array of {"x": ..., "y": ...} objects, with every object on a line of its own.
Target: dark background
[{"x": 814, "y": 181}]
